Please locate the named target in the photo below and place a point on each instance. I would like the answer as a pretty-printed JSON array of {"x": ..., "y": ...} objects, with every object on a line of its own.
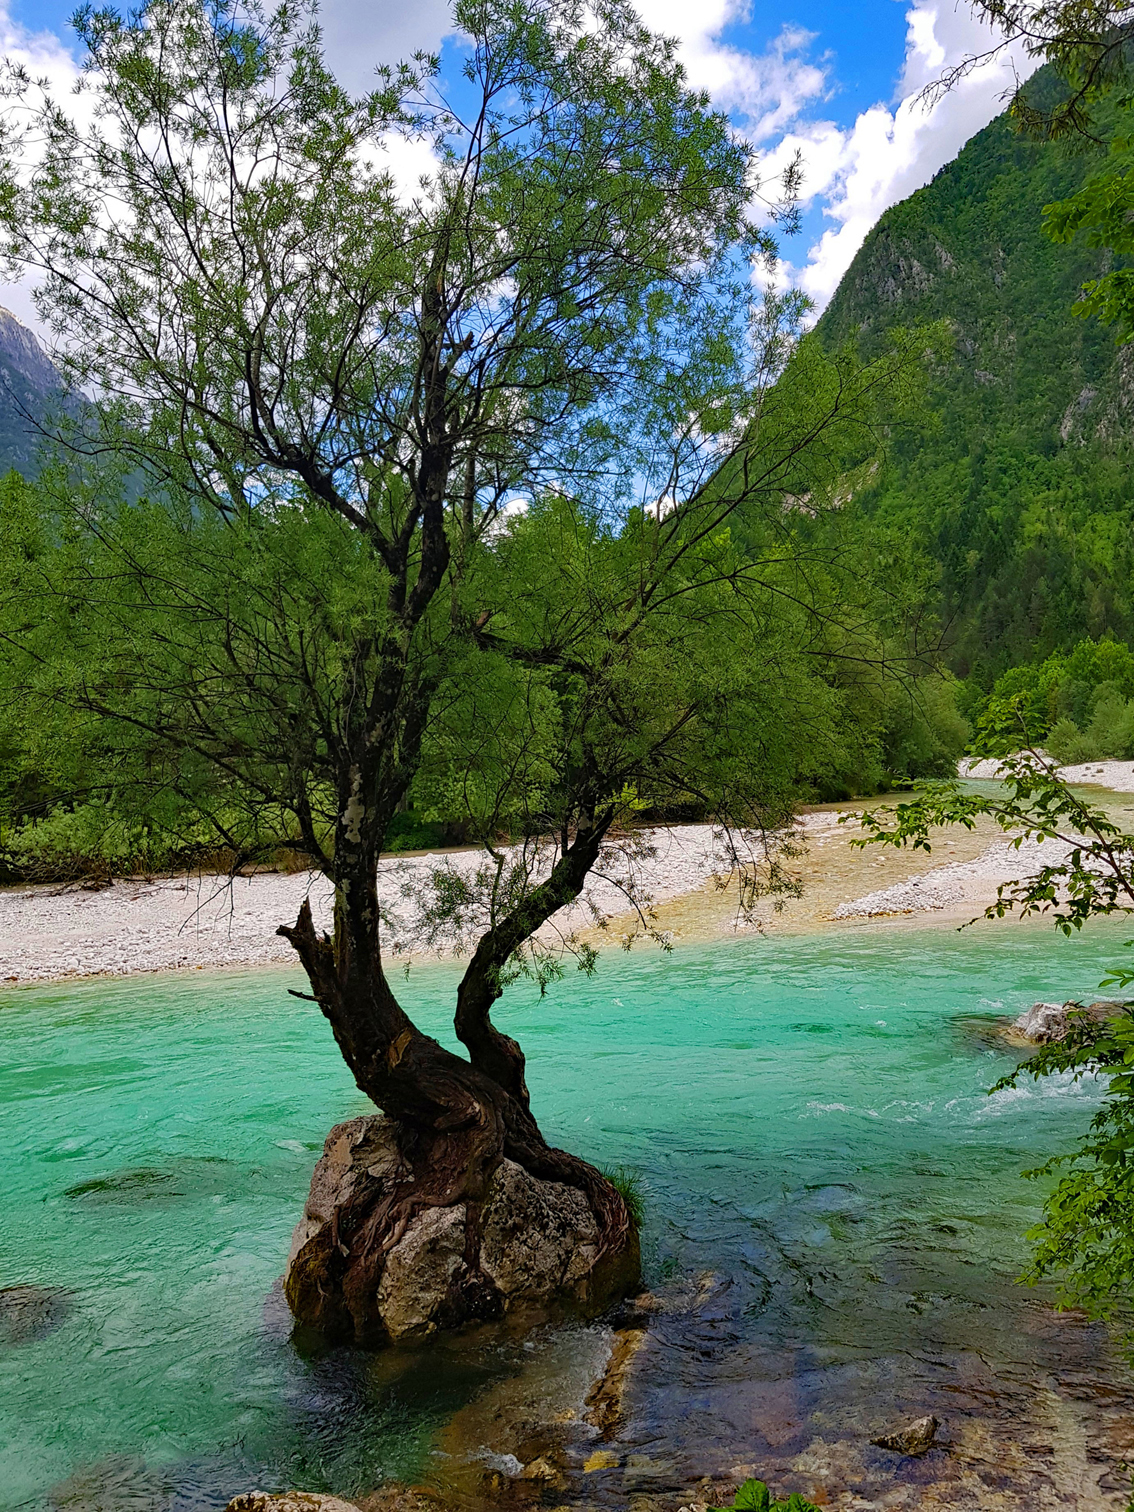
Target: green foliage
[
  {"x": 1099, "y": 215},
  {"x": 90, "y": 839},
  {"x": 1014, "y": 480},
  {"x": 1094, "y": 876},
  {"x": 628, "y": 1184},
  {"x": 754, "y": 1496},
  {"x": 1078, "y": 704},
  {"x": 924, "y": 730},
  {"x": 1086, "y": 1239},
  {"x": 411, "y": 831}
]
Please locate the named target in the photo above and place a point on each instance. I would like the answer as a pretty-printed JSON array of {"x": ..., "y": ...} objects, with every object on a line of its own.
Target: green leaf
[{"x": 753, "y": 1496}]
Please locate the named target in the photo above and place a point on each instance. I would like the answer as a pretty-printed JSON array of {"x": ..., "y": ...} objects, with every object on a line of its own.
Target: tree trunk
[{"x": 455, "y": 1127}]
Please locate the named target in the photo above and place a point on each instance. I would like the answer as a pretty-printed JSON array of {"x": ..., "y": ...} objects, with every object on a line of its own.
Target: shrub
[
  {"x": 754, "y": 1496},
  {"x": 1067, "y": 743},
  {"x": 410, "y": 831}
]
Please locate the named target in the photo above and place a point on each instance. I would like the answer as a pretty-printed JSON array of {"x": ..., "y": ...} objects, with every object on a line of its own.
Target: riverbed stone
[
  {"x": 914, "y": 1438},
  {"x": 538, "y": 1248},
  {"x": 30, "y": 1313},
  {"x": 1047, "y": 1023},
  {"x": 288, "y": 1501}
]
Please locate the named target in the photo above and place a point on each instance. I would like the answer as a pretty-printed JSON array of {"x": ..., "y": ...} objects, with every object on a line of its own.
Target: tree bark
[
  {"x": 457, "y": 1124},
  {"x": 494, "y": 1053}
]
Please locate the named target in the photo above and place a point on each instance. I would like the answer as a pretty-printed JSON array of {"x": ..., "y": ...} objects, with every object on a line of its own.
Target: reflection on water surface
[{"x": 834, "y": 1222}]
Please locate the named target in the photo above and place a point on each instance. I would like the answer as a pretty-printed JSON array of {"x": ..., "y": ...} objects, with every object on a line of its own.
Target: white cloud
[
  {"x": 852, "y": 174},
  {"x": 856, "y": 173},
  {"x": 358, "y": 36},
  {"x": 45, "y": 56},
  {"x": 766, "y": 91}
]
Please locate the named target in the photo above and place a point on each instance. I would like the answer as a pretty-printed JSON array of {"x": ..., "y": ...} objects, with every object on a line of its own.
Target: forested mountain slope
[{"x": 1018, "y": 479}]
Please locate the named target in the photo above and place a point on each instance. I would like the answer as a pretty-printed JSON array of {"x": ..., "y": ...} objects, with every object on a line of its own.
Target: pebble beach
[{"x": 680, "y": 875}]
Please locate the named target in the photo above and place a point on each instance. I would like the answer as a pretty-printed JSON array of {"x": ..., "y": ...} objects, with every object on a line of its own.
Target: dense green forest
[
  {"x": 996, "y": 519},
  {"x": 1016, "y": 480}
]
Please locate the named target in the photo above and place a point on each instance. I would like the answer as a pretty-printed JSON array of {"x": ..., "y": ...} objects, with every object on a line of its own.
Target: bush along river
[{"x": 834, "y": 1222}]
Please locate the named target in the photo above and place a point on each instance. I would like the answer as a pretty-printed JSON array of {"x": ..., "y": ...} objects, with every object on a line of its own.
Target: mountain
[
  {"x": 1017, "y": 480},
  {"x": 30, "y": 387}
]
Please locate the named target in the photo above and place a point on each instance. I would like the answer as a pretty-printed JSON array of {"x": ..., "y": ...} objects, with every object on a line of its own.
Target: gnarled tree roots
[{"x": 406, "y": 1232}]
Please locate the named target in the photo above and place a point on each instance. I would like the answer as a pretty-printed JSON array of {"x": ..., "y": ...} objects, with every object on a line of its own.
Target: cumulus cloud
[
  {"x": 780, "y": 97},
  {"x": 358, "y": 37},
  {"x": 853, "y": 174},
  {"x": 765, "y": 91}
]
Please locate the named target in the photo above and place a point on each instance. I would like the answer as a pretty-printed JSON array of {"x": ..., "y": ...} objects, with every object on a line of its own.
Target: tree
[{"x": 436, "y": 490}]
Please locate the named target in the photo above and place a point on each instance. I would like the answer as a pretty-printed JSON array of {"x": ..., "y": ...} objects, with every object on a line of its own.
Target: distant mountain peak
[
  {"x": 30, "y": 388},
  {"x": 25, "y": 354}
]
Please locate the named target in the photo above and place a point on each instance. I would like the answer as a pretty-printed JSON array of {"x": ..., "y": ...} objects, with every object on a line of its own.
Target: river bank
[{"x": 681, "y": 874}]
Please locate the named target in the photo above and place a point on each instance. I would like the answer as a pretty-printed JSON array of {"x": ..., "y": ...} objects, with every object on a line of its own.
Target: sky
[{"x": 837, "y": 80}]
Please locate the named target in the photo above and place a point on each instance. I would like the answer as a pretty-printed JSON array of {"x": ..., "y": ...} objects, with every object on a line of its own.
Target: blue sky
[{"x": 836, "y": 81}]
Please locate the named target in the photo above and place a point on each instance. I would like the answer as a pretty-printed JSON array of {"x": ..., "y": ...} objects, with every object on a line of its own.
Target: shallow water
[{"x": 834, "y": 1220}]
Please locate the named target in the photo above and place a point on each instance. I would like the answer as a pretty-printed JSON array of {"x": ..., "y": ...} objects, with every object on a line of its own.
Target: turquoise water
[{"x": 808, "y": 1115}]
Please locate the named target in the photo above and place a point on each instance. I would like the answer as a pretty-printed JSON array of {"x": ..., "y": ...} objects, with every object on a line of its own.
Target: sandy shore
[
  {"x": 1115, "y": 776},
  {"x": 171, "y": 923}
]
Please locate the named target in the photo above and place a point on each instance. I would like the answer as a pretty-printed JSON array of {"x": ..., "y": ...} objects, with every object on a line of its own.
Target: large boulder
[
  {"x": 528, "y": 1245},
  {"x": 1046, "y": 1023}
]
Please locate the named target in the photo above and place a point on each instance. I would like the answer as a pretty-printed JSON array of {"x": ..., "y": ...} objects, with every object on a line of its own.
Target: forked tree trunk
[{"x": 455, "y": 1124}]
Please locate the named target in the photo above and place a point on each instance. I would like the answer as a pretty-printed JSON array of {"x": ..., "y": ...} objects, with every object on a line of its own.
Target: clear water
[{"x": 808, "y": 1115}]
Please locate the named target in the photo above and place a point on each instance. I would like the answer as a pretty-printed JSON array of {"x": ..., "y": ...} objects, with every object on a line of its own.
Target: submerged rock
[
  {"x": 28, "y": 1313},
  {"x": 288, "y": 1501},
  {"x": 1046, "y": 1023},
  {"x": 120, "y": 1483},
  {"x": 529, "y": 1244},
  {"x": 914, "y": 1438}
]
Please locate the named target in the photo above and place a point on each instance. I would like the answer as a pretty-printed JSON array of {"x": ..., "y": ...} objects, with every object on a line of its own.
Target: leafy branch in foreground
[
  {"x": 1094, "y": 870},
  {"x": 1086, "y": 1237},
  {"x": 754, "y": 1496}
]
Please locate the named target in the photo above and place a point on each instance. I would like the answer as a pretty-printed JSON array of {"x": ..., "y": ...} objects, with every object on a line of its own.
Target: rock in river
[
  {"x": 914, "y": 1438},
  {"x": 28, "y": 1313},
  {"x": 527, "y": 1244},
  {"x": 1044, "y": 1023}
]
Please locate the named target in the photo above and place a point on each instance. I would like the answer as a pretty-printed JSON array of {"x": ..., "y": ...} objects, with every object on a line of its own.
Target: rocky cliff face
[{"x": 30, "y": 387}]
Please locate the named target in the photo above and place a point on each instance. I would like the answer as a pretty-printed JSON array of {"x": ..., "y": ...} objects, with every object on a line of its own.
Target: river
[{"x": 834, "y": 1222}]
